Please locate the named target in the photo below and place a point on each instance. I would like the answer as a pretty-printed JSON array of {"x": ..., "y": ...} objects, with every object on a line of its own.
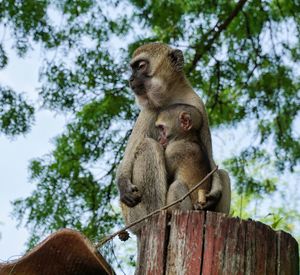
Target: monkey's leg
[
  {"x": 223, "y": 205},
  {"x": 177, "y": 190},
  {"x": 149, "y": 176}
]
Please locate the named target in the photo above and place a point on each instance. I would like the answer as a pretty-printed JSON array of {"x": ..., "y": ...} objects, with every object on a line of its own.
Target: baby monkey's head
[{"x": 176, "y": 122}]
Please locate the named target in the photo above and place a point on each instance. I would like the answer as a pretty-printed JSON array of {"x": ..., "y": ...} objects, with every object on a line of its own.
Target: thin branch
[
  {"x": 210, "y": 37},
  {"x": 4, "y": 33},
  {"x": 277, "y": 57},
  {"x": 216, "y": 93},
  {"x": 105, "y": 240},
  {"x": 256, "y": 49}
]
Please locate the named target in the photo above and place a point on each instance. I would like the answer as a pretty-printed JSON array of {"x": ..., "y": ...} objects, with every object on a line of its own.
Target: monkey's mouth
[
  {"x": 138, "y": 89},
  {"x": 164, "y": 142}
]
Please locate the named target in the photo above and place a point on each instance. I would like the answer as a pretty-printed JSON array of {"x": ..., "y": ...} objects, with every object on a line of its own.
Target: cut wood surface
[{"x": 208, "y": 243}]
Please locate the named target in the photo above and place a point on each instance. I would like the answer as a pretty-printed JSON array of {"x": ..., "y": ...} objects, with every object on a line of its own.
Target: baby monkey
[{"x": 186, "y": 161}]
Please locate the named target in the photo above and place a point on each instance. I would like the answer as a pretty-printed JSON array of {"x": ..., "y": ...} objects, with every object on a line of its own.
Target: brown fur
[
  {"x": 186, "y": 162},
  {"x": 142, "y": 176}
]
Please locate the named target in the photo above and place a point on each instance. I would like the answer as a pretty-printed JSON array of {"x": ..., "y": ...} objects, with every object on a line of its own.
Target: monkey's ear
[
  {"x": 177, "y": 59},
  {"x": 185, "y": 121}
]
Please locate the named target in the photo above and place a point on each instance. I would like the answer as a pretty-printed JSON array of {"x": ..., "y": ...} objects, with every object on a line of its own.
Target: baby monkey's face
[
  {"x": 172, "y": 126},
  {"x": 163, "y": 137}
]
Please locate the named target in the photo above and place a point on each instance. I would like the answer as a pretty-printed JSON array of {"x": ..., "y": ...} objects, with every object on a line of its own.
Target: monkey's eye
[{"x": 142, "y": 65}]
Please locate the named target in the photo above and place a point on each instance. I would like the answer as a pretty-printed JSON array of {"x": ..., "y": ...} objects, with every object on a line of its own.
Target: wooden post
[{"x": 208, "y": 243}]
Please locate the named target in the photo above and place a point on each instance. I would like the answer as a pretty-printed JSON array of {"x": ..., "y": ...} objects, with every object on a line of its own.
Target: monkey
[
  {"x": 186, "y": 162},
  {"x": 158, "y": 81}
]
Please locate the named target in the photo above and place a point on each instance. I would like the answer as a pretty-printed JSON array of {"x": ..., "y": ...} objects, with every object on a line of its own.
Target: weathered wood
[
  {"x": 287, "y": 260},
  {"x": 208, "y": 243},
  {"x": 153, "y": 246},
  {"x": 216, "y": 229},
  {"x": 265, "y": 249},
  {"x": 185, "y": 250}
]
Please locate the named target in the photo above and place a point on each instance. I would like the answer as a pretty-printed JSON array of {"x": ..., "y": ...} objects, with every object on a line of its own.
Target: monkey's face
[
  {"x": 155, "y": 68},
  {"x": 168, "y": 128},
  {"x": 164, "y": 135},
  {"x": 139, "y": 77},
  {"x": 173, "y": 125},
  {"x": 147, "y": 87}
]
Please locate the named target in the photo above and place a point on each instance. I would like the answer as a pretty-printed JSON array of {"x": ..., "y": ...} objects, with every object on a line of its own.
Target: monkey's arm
[
  {"x": 129, "y": 193},
  {"x": 215, "y": 193}
]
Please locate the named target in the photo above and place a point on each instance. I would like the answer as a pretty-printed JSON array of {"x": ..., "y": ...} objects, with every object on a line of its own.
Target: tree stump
[{"x": 208, "y": 243}]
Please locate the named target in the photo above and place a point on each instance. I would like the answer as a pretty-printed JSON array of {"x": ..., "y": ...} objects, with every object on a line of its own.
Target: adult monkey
[{"x": 158, "y": 81}]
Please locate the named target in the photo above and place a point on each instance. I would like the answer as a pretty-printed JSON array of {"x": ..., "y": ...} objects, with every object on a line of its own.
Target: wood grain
[
  {"x": 209, "y": 243},
  {"x": 153, "y": 246},
  {"x": 185, "y": 250}
]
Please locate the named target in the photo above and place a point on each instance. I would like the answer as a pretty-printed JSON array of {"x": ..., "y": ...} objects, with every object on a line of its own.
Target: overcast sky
[{"x": 21, "y": 75}]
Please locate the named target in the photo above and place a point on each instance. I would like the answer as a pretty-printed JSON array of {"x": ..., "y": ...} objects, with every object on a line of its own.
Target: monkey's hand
[
  {"x": 214, "y": 195},
  {"x": 212, "y": 199},
  {"x": 129, "y": 193}
]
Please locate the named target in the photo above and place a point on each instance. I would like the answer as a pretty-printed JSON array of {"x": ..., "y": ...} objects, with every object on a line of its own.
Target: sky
[{"x": 15, "y": 154}]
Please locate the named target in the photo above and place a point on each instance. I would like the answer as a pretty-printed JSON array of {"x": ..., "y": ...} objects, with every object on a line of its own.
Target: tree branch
[{"x": 210, "y": 37}]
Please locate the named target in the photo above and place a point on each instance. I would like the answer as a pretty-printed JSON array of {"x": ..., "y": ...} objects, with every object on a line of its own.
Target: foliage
[
  {"x": 241, "y": 57},
  {"x": 16, "y": 115}
]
